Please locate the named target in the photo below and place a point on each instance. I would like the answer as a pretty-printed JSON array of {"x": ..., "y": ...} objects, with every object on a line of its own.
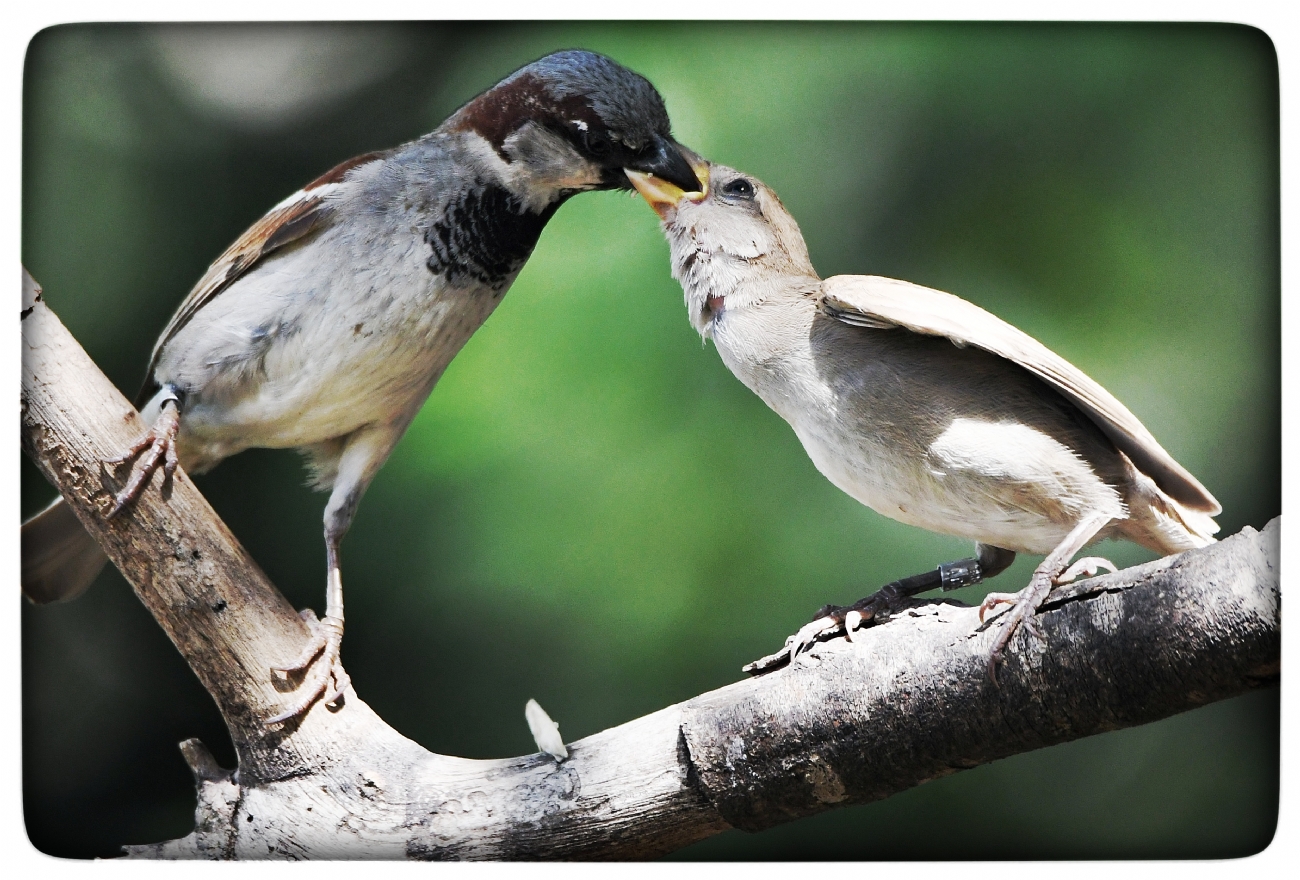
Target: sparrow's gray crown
[
  {"x": 612, "y": 116},
  {"x": 623, "y": 101}
]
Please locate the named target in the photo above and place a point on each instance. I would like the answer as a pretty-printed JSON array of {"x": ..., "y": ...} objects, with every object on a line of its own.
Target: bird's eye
[
  {"x": 597, "y": 144},
  {"x": 740, "y": 188}
]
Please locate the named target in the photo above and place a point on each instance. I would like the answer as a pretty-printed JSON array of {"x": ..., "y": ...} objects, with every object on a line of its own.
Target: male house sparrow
[
  {"x": 327, "y": 324},
  {"x": 922, "y": 406}
]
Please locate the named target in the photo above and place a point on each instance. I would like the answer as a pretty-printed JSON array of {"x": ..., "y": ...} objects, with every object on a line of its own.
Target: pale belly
[{"x": 265, "y": 367}]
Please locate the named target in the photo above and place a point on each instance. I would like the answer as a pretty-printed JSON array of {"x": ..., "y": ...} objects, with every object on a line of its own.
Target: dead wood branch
[{"x": 847, "y": 723}]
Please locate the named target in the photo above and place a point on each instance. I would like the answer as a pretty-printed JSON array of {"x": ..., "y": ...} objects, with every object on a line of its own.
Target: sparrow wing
[
  {"x": 886, "y": 303},
  {"x": 299, "y": 216}
]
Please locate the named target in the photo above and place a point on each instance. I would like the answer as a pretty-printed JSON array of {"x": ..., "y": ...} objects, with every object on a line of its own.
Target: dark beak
[{"x": 670, "y": 161}]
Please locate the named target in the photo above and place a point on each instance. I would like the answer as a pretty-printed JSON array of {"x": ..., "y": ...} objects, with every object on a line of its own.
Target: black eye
[
  {"x": 597, "y": 144},
  {"x": 740, "y": 188}
]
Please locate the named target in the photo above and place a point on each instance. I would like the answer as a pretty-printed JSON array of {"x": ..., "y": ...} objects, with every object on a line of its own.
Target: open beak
[{"x": 663, "y": 195}]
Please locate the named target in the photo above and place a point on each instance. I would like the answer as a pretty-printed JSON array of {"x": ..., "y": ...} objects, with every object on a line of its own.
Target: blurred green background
[{"x": 590, "y": 510}]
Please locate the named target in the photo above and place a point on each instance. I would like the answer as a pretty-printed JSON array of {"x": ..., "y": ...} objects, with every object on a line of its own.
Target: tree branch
[{"x": 849, "y": 722}]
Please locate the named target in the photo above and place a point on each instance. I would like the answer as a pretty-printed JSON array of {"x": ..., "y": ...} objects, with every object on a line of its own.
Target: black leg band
[{"x": 962, "y": 573}]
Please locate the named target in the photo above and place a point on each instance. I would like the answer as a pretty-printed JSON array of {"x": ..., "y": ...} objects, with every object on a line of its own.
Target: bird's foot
[
  {"x": 160, "y": 443},
  {"x": 320, "y": 657},
  {"x": 1028, "y": 600},
  {"x": 1088, "y": 566},
  {"x": 876, "y": 608},
  {"x": 1054, "y": 569},
  {"x": 1025, "y": 605},
  {"x": 830, "y": 620}
]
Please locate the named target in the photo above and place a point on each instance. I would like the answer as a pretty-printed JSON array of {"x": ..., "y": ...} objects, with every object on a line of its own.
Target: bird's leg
[
  {"x": 1046, "y": 575},
  {"x": 160, "y": 441},
  {"x": 364, "y": 451},
  {"x": 326, "y": 676},
  {"x": 889, "y": 599}
]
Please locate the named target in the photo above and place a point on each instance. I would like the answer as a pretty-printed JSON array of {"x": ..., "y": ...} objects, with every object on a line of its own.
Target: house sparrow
[
  {"x": 327, "y": 324},
  {"x": 922, "y": 406}
]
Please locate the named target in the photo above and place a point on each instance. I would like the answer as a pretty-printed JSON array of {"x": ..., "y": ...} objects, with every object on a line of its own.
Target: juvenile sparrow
[
  {"x": 922, "y": 406},
  {"x": 327, "y": 324}
]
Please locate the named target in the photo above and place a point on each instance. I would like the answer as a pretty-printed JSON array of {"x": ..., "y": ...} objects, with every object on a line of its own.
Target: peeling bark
[{"x": 849, "y": 722}]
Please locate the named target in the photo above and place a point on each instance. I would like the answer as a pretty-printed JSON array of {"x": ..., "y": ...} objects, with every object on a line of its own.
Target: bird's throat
[{"x": 485, "y": 236}]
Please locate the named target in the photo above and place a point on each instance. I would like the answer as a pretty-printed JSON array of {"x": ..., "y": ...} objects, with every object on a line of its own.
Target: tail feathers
[
  {"x": 1199, "y": 524},
  {"x": 1162, "y": 524},
  {"x": 60, "y": 558},
  {"x": 1183, "y": 529}
]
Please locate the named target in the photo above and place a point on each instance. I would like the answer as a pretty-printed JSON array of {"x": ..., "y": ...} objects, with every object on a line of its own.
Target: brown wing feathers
[
  {"x": 869, "y": 301},
  {"x": 297, "y": 217}
]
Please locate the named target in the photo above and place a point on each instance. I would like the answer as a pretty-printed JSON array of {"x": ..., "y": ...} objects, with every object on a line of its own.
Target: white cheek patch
[
  {"x": 541, "y": 165},
  {"x": 486, "y": 157}
]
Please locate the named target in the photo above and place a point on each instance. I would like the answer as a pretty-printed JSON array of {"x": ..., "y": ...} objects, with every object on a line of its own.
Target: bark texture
[{"x": 848, "y": 722}]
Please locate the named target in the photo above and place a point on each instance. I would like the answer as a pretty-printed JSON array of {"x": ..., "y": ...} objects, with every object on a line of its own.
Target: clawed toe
[
  {"x": 1088, "y": 566},
  {"x": 314, "y": 646},
  {"x": 326, "y": 680},
  {"x": 808, "y": 633},
  {"x": 877, "y": 607},
  {"x": 158, "y": 444},
  {"x": 315, "y": 685},
  {"x": 325, "y": 677},
  {"x": 995, "y": 657},
  {"x": 852, "y": 621},
  {"x": 1024, "y": 606},
  {"x": 795, "y": 644},
  {"x": 993, "y": 600},
  {"x": 341, "y": 681},
  {"x": 1033, "y": 627}
]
